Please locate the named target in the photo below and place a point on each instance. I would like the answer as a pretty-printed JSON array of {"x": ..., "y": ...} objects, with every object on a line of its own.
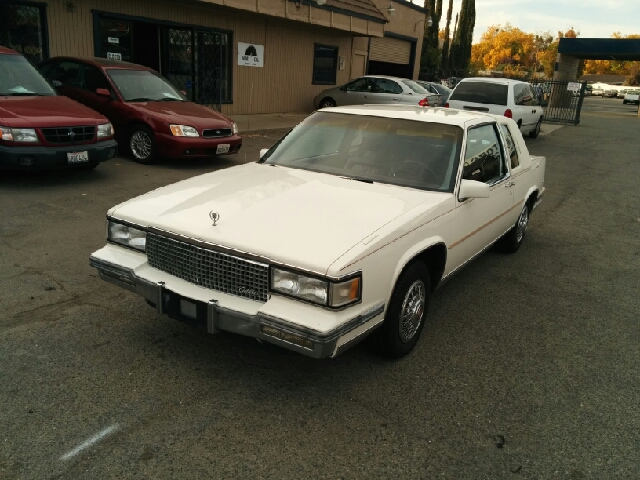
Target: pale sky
[{"x": 592, "y": 18}]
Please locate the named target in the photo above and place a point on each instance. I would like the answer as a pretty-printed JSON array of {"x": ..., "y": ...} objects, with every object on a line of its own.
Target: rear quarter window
[{"x": 481, "y": 92}]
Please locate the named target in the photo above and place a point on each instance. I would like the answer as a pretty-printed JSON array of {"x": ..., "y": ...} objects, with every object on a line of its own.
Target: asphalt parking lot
[{"x": 528, "y": 367}]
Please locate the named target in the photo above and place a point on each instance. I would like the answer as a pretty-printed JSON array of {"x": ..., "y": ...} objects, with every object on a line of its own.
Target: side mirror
[
  {"x": 343, "y": 88},
  {"x": 103, "y": 92},
  {"x": 263, "y": 152},
  {"x": 183, "y": 93},
  {"x": 56, "y": 83},
  {"x": 472, "y": 189}
]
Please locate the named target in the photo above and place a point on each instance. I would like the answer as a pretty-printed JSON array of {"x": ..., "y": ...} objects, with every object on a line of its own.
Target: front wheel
[
  {"x": 406, "y": 314},
  {"x": 536, "y": 131},
  {"x": 142, "y": 144},
  {"x": 512, "y": 240}
]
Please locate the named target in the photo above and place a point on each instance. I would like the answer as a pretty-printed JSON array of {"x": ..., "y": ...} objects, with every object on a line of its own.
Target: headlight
[
  {"x": 25, "y": 135},
  {"x": 183, "y": 131},
  {"x": 105, "y": 130},
  {"x": 127, "y": 236},
  {"x": 319, "y": 291},
  {"x": 234, "y": 128}
]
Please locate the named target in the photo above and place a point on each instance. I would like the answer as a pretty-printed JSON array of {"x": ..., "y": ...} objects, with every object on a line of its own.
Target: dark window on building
[
  {"x": 481, "y": 92},
  {"x": 213, "y": 67},
  {"x": 93, "y": 79},
  {"x": 115, "y": 39},
  {"x": 23, "y": 28},
  {"x": 483, "y": 159},
  {"x": 325, "y": 65}
]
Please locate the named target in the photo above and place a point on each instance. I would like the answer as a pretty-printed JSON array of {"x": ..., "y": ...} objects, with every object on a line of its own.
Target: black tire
[
  {"x": 512, "y": 240},
  {"x": 327, "y": 102},
  {"x": 536, "y": 131},
  {"x": 142, "y": 144},
  {"x": 395, "y": 339}
]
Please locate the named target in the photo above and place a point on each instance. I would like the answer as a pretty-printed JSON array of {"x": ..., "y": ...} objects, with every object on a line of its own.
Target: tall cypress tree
[
  {"x": 447, "y": 32},
  {"x": 430, "y": 55},
  {"x": 461, "y": 45}
]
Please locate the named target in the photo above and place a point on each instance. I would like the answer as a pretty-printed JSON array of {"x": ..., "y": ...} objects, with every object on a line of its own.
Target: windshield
[
  {"x": 143, "y": 86},
  {"x": 409, "y": 153},
  {"x": 481, "y": 92},
  {"x": 19, "y": 78}
]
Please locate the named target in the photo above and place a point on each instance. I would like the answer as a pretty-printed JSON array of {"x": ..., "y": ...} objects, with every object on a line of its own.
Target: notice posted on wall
[
  {"x": 250, "y": 55},
  {"x": 114, "y": 56}
]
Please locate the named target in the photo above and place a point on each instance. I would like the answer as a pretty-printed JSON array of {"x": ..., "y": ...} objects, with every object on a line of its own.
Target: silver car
[{"x": 376, "y": 89}]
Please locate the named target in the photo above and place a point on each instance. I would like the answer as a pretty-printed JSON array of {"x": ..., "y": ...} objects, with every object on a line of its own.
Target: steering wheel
[
  {"x": 414, "y": 168},
  {"x": 365, "y": 162}
]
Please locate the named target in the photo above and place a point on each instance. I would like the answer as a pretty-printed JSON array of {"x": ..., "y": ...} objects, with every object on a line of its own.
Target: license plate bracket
[{"x": 223, "y": 148}]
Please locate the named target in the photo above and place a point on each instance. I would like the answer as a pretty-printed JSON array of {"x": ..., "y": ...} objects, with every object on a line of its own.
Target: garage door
[{"x": 390, "y": 50}]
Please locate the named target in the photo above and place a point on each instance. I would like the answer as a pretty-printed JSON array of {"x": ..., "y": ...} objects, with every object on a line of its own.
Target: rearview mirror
[
  {"x": 263, "y": 152},
  {"x": 472, "y": 189},
  {"x": 103, "y": 92}
]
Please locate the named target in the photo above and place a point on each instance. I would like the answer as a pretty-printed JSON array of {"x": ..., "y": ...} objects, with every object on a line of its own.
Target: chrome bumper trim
[{"x": 278, "y": 331}]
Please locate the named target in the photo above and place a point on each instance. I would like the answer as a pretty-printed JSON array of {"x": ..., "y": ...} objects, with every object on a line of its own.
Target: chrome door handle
[{"x": 509, "y": 184}]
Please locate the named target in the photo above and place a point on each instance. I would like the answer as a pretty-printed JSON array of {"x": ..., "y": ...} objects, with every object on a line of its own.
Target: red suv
[
  {"x": 41, "y": 129},
  {"x": 149, "y": 114}
]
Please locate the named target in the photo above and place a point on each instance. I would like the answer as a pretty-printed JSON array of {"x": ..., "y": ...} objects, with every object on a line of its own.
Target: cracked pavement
[{"x": 528, "y": 367}]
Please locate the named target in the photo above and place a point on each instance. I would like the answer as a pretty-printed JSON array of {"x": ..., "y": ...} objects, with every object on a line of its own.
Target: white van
[{"x": 500, "y": 96}]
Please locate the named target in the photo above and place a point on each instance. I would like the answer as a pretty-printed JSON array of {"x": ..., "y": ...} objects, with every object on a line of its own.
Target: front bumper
[
  {"x": 211, "y": 317},
  {"x": 190, "y": 147},
  {"x": 39, "y": 156}
]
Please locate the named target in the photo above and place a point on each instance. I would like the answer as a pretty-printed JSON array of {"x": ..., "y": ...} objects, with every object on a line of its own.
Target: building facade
[{"x": 241, "y": 56}]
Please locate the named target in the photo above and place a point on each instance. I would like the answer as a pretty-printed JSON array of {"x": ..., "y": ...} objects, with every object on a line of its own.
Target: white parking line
[{"x": 96, "y": 438}]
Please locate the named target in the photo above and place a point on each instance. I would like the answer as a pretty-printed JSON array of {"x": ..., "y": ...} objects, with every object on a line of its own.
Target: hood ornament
[{"x": 214, "y": 216}]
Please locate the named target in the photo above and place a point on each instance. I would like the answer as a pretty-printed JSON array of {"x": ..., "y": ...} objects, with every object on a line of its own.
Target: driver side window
[
  {"x": 360, "y": 85},
  {"x": 484, "y": 160}
]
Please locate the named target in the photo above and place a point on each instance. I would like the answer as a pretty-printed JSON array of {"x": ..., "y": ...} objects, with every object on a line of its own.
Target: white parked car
[
  {"x": 500, "y": 96},
  {"x": 632, "y": 96},
  {"x": 342, "y": 229}
]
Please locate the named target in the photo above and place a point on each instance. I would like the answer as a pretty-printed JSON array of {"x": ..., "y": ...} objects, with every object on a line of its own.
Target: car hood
[
  {"x": 184, "y": 113},
  {"x": 300, "y": 218},
  {"x": 53, "y": 111}
]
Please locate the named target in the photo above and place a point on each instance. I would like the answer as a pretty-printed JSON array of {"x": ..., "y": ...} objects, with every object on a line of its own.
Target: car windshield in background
[
  {"x": 373, "y": 149},
  {"x": 143, "y": 86},
  {"x": 19, "y": 78},
  {"x": 415, "y": 87},
  {"x": 481, "y": 92}
]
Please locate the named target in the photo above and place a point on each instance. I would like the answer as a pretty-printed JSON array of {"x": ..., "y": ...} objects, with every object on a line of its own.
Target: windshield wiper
[
  {"x": 363, "y": 180},
  {"x": 20, "y": 94},
  {"x": 169, "y": 99},
  {"x": 141, "y": 99}
]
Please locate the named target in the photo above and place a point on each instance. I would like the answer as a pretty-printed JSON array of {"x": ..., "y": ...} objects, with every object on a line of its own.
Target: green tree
[
  {"x": 447, "y": 32},
  {"x": 460, "y": 54},
  {"x": 430, "y": 55}
]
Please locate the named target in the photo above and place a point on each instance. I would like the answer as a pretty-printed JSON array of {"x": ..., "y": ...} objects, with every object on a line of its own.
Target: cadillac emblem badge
[{"x": 214, "y": 216}]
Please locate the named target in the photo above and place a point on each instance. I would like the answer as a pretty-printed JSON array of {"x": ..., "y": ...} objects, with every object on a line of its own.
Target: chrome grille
[
  {"x": 69, "y": 134},
  {"x": 209, "y": 268}
]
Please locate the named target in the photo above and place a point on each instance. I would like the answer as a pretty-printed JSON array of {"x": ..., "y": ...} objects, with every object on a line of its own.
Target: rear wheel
[
  {"x": 536, "y": 131},
  {"x": 512, "y": 240},
  {"x": 142, "y": 144},
  {"x": 327, "y": 102},
  {"x": 406, "y": 314}
]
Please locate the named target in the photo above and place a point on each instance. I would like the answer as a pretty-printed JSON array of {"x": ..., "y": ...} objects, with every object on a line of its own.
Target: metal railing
[{"x": 560, "y": 100}]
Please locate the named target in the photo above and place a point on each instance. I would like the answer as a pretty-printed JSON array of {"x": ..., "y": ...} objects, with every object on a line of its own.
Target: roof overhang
[{"x": 601, "y": 48}]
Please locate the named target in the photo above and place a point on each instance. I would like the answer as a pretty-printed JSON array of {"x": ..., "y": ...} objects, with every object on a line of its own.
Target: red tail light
[
  {"x": 508, "y": 113},
  {"x": 424, "y": 102},
  {"x": 446, "y": 105}
]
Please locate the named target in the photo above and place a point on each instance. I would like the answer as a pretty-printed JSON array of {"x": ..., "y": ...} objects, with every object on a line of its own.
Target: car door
[
  {"x": 480, "y": 221},
  {"x": 356, "y": 92},
  {"x": 385, "y": 91},
  {"x": 91, "y": 79}
]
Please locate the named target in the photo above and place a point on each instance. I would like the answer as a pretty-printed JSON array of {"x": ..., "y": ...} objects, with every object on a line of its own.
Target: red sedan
[{"x": 148, "y": 113}]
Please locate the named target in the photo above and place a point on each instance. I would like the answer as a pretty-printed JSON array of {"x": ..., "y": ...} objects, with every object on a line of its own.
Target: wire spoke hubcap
[
  {"x": 412, "y": 311},
  {"x": 522, "y": 224},
  {"x": 141, "y": 145}
]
